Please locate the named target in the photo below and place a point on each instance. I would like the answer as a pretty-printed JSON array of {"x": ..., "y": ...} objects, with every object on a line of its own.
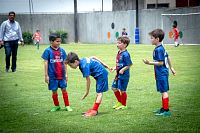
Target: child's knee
[{"x": 114, "y": 89}]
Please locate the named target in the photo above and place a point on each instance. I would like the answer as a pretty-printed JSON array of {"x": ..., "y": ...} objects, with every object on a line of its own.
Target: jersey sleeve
[
  {"x": 86, "y": 70},
  {"x": 160, "y": 55},
  {"x": 127, "y": 59},
  {"x": 84, "y": 67},
  {"x": 64, "y": 55},
  {"x": 45, "y": 55}
]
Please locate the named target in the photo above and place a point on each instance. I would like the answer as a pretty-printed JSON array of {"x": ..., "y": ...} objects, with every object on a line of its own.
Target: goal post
[{"x": 188, "y": 25}]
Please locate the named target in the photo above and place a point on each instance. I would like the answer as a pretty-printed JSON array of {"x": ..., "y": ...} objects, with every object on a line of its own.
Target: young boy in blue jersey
[
  {"x": 56, "y": 71},
  {"x": 161, "y": 62},
  {"x": 91, "y": 67},
  {"x": 123, "y": 64}
]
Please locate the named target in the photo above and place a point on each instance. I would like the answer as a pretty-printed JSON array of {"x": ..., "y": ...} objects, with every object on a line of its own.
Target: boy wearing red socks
[
  {"x": 161, "y": 62},
  {"x": 123, "y": 64},
  {"x": 91, "y": 67},
  {"x": 56, "y": 71}
]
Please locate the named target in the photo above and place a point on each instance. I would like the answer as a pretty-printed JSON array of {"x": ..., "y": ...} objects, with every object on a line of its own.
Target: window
[{"x": 159, "y": 5}]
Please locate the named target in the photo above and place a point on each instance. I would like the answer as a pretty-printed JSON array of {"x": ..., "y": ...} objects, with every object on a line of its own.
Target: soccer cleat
[
  {"x": 117, "y": 105},
  {"x": 90, "y": 113},
  {"x": 121, "y": 107},
  {"x": 164, "y": 113},
  {"x": 68, "y": 108},
  {"x": 56, "y": 108},
  {"x": 159, "y": 110}
]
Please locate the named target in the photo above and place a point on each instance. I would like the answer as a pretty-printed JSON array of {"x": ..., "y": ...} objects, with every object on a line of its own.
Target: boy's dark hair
[
  {"x": 124, "y": 40},
  {"x": 53, "y": 36},
  {"x": 158, "y": 33},
  {"x": 175, "y": 24},
  {"x": 11, "y": 12},
  {"x": 71, "y": 57}
]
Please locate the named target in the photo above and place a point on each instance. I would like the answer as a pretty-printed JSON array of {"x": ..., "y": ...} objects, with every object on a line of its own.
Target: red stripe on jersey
[
  {"x": 58, "y": 64},
  {"x": 117, "y": 60}
]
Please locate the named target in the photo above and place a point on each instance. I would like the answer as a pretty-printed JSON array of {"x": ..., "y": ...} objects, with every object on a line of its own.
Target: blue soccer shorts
[
  {"x": 120, "y": 84},
  {"x": 102, "y": 83},
  {"x": 162, "y": 85},
  {"x": 54, "y": 84}
]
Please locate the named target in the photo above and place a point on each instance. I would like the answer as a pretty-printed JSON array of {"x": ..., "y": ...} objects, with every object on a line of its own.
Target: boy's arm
[
  {"x": 170, "y": 66},
  {"x": 156, "y": 63},
  {"x": 46, "y": 71},
  {"x": 33, "y": 36},
  {"x": 87, "y": 87},
  {"x": 66, "y": 73},
  {"x": 104, "y": 64},
  {"x": 124, "y": 69}
]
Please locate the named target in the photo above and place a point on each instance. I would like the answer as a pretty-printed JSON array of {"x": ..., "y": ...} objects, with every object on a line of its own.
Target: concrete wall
[
  {"x": 94, "y": 27},
  {"x": 46, "y": 23}
]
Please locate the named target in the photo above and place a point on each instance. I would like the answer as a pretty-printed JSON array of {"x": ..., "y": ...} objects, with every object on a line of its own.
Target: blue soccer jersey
[
  {"x": 56, "y": 66},
  {"x": 123, "y": 59},
  {"x": 90, "y": 66},
  {"x": 159, "y": 54}
]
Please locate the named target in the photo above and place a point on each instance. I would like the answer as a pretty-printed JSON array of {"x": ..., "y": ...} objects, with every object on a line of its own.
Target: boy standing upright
[
  {"x": 123, "y": 64},
  {"x": 161, "y": 62},
  {"x": 55, "y": 71}
]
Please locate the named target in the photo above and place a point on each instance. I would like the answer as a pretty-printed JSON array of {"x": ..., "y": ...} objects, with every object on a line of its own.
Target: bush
[
  {"x": 27, "y": 36},
  {"x": 62, "y": 34}
]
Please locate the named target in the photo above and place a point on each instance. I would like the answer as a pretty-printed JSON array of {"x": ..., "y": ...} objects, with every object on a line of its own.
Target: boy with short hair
[
  {"x": 123, "y": 64},
  {"x": 161, "y": 62},
  {"x": 175, "y": 33},
  {"x": 56, "y": 71},
  {"x": 91, "y": 67},
  {"x": 37, "y": 38}
]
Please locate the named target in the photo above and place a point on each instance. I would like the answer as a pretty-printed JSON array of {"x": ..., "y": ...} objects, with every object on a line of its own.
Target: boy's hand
[
  {"x": 1, "y": 42},
  {"x": 47, "y": 79},
  {"x": 66, "y": 78},
  {"x": 146, "y": 61},
  {"x": 121, "y": 71},
  {"x": 173, "y": 71},
  {"x": 112, "y": 69}
]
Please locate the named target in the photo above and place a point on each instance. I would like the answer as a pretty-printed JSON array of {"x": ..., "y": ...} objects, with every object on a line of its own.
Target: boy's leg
[
  {"x": 165, "y": 101},
  {"x": 66, "y": 100},
  {"x": 37, "y": 45},
  {"x": 97, "y": 101},
  {"x": 163, "y": 87},
  {"x": 65, "y": 97},
  {"x": 63, "y": 85},
  {"x": 55, "y": 101},
  {"x": 117, "y": 94},
  {"x": 53, "y": 85},
  {"x": 122, "y": 84},
  {"x": 124, "y": 98},
  {"x": 94, "y": 110},
  {"x": 55, "y": 98}
]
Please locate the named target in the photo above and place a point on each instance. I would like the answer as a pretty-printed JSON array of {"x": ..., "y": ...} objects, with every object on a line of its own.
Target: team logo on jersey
[{"x": 57, "y": 59}]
